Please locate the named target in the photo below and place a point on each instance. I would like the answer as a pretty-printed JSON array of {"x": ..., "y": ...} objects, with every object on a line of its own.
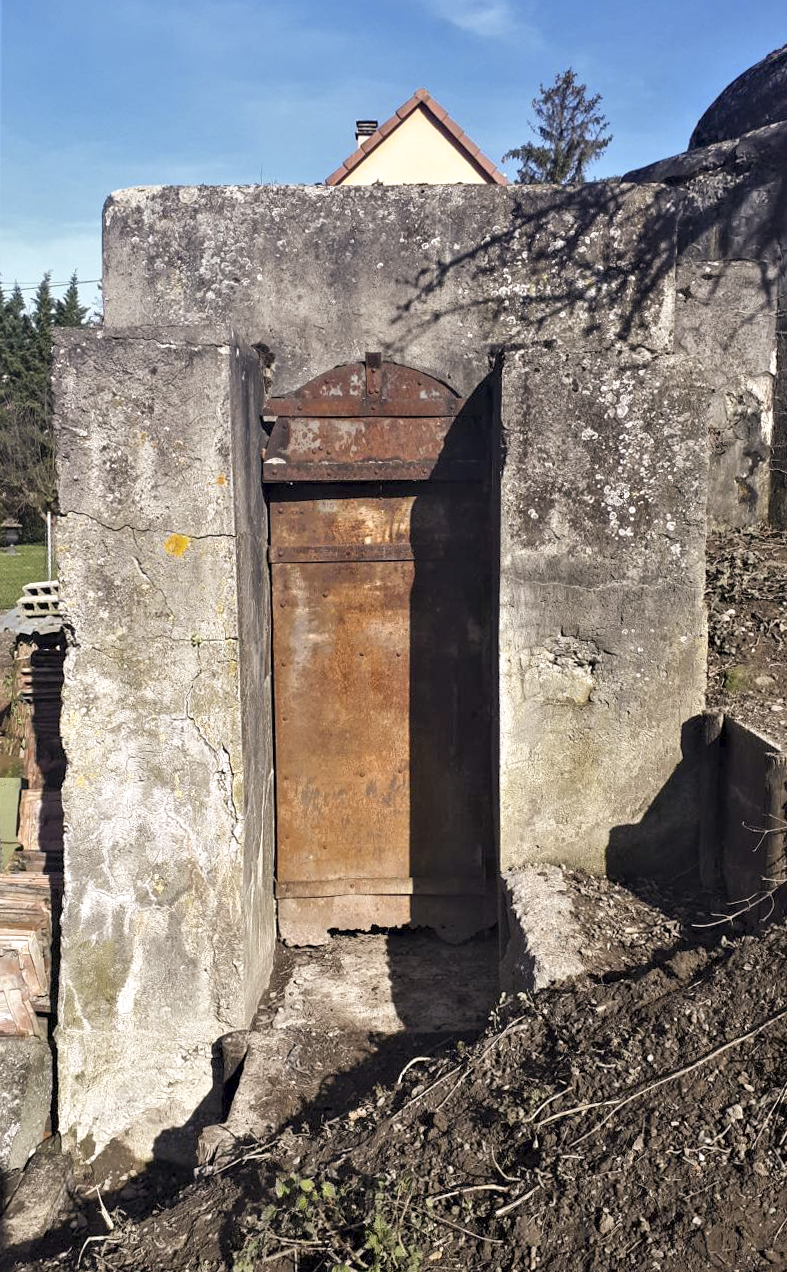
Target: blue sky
[{"x": 100, "y": 94}]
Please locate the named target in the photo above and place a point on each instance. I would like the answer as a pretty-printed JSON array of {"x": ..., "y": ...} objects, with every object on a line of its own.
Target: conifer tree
[
  {"x": 40, "y": 351},
  {"x": 68, "y": 311},
  {"x": 572, "y": 131},
  {"x": 13, "y": 345},
  {"x": 28, "y": 485}
]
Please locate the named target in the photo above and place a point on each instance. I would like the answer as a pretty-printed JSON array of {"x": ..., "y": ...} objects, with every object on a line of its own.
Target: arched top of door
[
  {"x": 372, "y": 387},
  {"x": 369, "y": 421}
]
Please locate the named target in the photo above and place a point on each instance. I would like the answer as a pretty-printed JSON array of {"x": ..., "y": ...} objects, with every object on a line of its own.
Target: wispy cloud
[{"x": 490, "y": 19}]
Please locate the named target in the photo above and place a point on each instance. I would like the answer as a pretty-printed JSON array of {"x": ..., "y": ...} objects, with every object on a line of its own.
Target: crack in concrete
[
  {"x": 155, "y": 586},
  {"x": 135, "y": 530},
  {"x": 223, "y": 764}
]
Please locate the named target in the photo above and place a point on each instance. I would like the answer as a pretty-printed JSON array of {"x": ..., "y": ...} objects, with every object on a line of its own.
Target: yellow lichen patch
[
  {"x": 221, "y": 480},
  {"x": 175, "y": 544}
]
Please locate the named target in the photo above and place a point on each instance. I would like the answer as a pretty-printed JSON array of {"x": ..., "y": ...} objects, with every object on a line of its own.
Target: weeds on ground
[{"x": 320, "y": 1219}]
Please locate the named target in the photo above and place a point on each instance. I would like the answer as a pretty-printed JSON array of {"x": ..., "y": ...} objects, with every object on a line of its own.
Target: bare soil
[
  {"x": 631, "y": 1120},
  {"x": 747, "y": 628}
]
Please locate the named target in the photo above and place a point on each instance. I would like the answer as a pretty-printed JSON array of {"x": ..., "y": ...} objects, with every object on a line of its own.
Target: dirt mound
[{"x": 637, "y": 1122}]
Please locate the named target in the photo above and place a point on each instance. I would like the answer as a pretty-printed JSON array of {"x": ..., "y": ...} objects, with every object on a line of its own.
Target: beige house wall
[{"x": 415, "y": 153}]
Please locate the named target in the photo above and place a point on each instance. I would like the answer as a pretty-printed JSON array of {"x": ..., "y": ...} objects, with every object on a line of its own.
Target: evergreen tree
[
  {"x": 28, "y": 484},
  {"x": 40, "y": 351},
  {"x": 13, "y": 344},
  {"x": 572, "y": 131},
  {"x": 68, "y": 311}
]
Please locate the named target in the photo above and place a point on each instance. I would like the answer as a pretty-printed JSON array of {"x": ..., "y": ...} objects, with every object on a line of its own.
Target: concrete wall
[
  {"x": 602, "y": 633},
  {"x": 731, "y": 233},
  {"x": 161, "y": 866},
  {"x": 433, "y": 276},
  {"x": 579, "y": 287}
]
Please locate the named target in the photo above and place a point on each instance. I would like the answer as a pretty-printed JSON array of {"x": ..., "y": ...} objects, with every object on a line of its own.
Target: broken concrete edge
[
  {"x": 544, "y": 938},
  {"x": 25, "y": 1098},
  {"x": 738, "y": 152}
]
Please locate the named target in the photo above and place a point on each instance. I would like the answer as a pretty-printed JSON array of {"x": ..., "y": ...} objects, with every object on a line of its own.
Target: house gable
[{"x": 419, "y": 145}]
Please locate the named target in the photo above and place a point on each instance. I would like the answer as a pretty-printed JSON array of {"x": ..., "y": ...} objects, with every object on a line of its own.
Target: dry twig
[
  {"x": 617, "y": 1105},
  {"x": 518, "y": 1201},
  {"x": 474, "y": 1188},
  {"x": 477, "y": 1236}
]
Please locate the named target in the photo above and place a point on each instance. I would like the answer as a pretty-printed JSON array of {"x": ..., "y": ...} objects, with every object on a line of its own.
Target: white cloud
[{"x": 490, "y": 19}]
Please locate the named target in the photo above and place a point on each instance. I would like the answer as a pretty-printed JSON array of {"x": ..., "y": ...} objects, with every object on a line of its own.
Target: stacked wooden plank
[
  {"x": 25, "y": 953},
  {"x": 31, "y": 890},
  {"x": 38, "y": 667}
]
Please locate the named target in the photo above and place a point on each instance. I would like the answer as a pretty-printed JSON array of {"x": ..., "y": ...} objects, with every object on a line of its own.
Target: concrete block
[
  {"x": 544, "y": 938},
  {"x": 168, "y": 924},
  {"x": 25, "y": 1098},
  {"x": 37, "y": 1200}
]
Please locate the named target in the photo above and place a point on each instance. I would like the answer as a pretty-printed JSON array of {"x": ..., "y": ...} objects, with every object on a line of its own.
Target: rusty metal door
[{"x": 381, "y": 581}]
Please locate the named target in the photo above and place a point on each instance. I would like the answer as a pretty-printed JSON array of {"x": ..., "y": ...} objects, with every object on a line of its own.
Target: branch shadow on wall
[{"x": 594, "y": 258}]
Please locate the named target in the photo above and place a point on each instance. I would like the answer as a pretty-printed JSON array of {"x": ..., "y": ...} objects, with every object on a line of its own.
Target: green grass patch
[
  {"x": 739, "y": 679},
  {"x": 26, "y": 565}
]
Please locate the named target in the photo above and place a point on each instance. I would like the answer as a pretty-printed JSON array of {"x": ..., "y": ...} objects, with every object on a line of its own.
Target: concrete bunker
[{"x": 579, "y": 434}]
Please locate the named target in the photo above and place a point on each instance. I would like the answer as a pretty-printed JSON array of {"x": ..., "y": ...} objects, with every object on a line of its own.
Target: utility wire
[{"x": 81, "y": 282}]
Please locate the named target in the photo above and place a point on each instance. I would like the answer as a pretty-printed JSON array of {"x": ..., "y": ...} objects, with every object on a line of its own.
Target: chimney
[{"x": 363, "y": 129}]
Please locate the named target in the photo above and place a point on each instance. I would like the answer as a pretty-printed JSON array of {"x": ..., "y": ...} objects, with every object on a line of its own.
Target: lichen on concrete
[{"x": 601, "y": 629}]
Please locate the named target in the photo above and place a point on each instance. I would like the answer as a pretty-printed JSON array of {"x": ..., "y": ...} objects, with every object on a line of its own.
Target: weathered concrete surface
[
  {"x": 745, "y": 851},
  {"x": 341, "y": 1008},
  {"x": 754, "y": 99},
  {"x": 25, "y": 1098},
  {"x": 37, "y": 1200},
  {"x": 544, "y": 939},
  {"x": 157, "y": 959},
  {"x": 732, "y": 234},
  {"x": 255, "y": 674},
  {"x": 601, "y": 627},
  {"x": 432, "y": 275},
  {"x": 726, "y": 319}
]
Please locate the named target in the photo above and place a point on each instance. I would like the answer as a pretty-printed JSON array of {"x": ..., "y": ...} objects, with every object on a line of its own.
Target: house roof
[{"x": 424, "y": 100}]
